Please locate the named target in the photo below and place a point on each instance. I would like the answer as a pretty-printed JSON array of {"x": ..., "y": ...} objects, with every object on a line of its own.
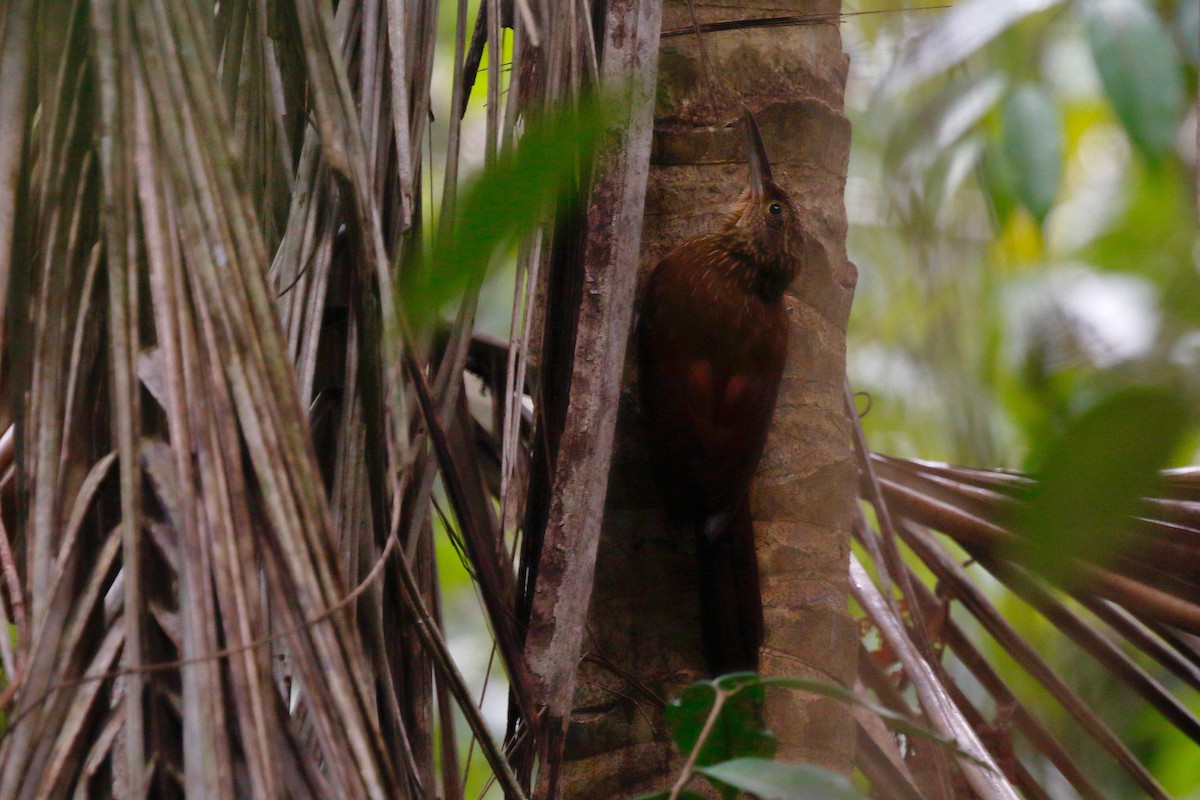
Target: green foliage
[
  {"x": 1002, "y": 159},
  {"x": 1140, "y": 70},
  {"x": 774, "y": 780},
  {"x": 1033, "y": 148},
  {"x": 508, "y": 199},
  {"x": 1090, "y": 479},
  {"x": 738, "y": 730},
  {"x": 1158, "y": 209},
  {"x": 719, "y": 724}
]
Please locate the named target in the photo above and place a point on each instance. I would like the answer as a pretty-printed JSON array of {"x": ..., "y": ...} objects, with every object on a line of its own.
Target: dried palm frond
[
  {"x": 1132, "y": 610},
  {"x": 227, "y": 422}
]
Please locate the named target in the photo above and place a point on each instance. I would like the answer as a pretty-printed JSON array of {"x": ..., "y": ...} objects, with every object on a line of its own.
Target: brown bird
[{"x": 712, "y": 344}]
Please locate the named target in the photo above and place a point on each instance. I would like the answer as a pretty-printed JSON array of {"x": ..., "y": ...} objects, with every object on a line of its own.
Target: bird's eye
[{"x": 775, "y": 209}]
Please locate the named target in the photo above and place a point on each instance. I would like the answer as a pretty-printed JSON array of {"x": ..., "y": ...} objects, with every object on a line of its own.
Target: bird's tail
[{"x": 731, "y": 614}]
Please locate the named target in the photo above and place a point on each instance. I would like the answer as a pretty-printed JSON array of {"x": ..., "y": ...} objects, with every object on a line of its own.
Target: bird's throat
[{"x": 756, "y": 269}]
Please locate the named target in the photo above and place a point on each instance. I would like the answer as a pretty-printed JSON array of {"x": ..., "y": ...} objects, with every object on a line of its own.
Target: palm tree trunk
[{"x": 642, "y": 644}]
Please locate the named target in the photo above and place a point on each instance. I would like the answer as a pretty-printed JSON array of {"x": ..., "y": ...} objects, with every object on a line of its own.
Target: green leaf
[
  {"x": 774, "y": 780},
  {"x": 1139, "y": 68},
  {"x": 685, "y": 795},
  {"x": 1090, "y": 479},
  {"x": 1033, "y": 147},
  {"x": 999, "y": 182},
  {"x": 738, "y": 731},
  {"x": 511, "y": 196}
]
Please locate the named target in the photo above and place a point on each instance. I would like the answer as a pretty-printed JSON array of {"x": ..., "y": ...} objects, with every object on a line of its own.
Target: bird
[{"x": 712, "y": 342}]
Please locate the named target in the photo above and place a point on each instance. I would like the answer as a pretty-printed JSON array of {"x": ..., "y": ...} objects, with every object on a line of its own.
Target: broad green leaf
[
  {"x": 775, "y": 780},
  {"x": 1033, "y": 147},
  {"x": 958, "y": 34},
  {"x": 999, "y": 182},
  {"x": 1139, "y": 68},
  {"x": 1090, "y": 479},
  {"x": 738, "y": 731},
  {"x": 510, "y": 197}
]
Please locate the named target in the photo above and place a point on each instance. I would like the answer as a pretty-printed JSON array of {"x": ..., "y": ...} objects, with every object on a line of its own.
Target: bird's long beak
[{"x": 760, "y": 168}]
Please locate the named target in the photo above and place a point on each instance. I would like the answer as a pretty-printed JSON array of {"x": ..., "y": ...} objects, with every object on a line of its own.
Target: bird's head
[{"x": 764, "y": 227}]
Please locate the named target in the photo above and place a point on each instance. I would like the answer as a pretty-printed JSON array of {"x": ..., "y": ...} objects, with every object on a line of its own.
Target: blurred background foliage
[
  {"x": 1022, "y": 214},
  {"x": 1023, "y": 217}
]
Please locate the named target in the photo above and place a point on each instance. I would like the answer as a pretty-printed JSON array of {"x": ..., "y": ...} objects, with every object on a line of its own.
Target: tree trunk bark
[{"x": 642, "y": 645}]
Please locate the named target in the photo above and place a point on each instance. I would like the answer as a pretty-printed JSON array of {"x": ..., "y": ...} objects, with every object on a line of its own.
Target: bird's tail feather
[{"x": 730, "y": 599}]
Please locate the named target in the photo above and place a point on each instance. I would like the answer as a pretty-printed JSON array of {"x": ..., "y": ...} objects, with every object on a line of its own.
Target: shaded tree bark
[
  {"x": 610, "y": 262},
  {"x": 642, "y": 645}
]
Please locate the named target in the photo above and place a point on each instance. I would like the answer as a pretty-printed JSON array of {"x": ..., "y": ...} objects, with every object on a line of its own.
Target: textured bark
[
  {"x": 565, "y": 571},
  {"x": 643, "y": 633}
]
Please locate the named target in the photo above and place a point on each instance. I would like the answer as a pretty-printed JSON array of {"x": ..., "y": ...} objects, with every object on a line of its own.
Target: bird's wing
[{"x": 710, "y": 363}]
